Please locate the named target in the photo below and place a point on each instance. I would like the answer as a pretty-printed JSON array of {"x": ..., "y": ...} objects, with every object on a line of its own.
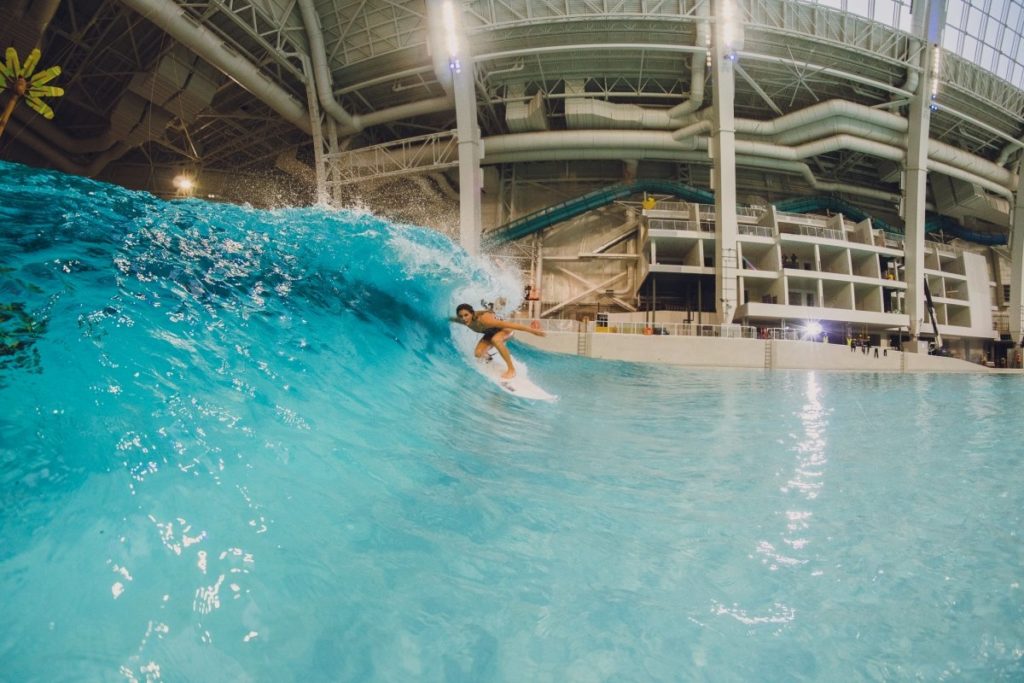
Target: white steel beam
[
  {"x": 916, "y": 176},
  {"x": 1016, "y": 310},
  {"x": 723, "y": 152}
]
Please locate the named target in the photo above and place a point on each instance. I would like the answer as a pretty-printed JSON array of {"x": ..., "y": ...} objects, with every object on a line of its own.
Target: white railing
[
  {"x": 756, "y": 230},
  {"x": 789, "y": 333},
  {"x": 825, "y": 233},
  {"x": 800, "y": 218},
  {"x": 751, "y": 211},
  {"x": 944, "y": 248},
  {"x": 643, "y": 328},
  {"x": 665, "y": 205},
  {"x": 672, "y": 224},
  {"x": 551, "y": 324}
]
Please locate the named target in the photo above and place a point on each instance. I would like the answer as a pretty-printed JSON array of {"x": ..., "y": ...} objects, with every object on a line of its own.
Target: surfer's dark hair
[{"x": 464, "y": 307}]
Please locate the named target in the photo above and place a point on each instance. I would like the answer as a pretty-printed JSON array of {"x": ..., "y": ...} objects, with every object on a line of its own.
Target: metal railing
[
  {"x": 644, "y": 328},
  {"x": 665, "y": 205},
  {"x": 751, "y": 211},
  {"x": 756, "y": 230},
  {"x": 788, "y": 333},
  {"x": 672, "y": 224},
  {"x": 825, "y": 233}
]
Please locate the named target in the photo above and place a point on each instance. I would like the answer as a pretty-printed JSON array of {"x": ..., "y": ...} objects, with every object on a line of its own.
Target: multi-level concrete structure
[{"x": 794, "y": 268}]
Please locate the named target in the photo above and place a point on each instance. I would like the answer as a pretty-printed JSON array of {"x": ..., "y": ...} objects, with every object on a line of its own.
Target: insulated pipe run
[
  {"x": 697, "y": 66},
  {"x": 809, "y": 115},
  {"x": 576, "y": 140},
  {"x": 100, "y": 143},
  {"x": 350, "y": 123},
  {"x": 802, "y": 169},
  {"x": 170, "y": 17},
  {"x": 321, "y": 73},
  {"x": 603, "y": 144},
  {"x": 39, "y": 14},
  {"x": 1009, "y": 149},
  {"x": 430, "y": 106},
  {"x": 839, "y": 117},
  {"x": 30, "y": 139}
]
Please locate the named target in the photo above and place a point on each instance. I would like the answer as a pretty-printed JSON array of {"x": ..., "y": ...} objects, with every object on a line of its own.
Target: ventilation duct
[
  {"x": 523, "y": 117},
  {"x": 698, "y": 66},
  {"x": 134, "y": 121},
  {"x": 960, "y": 199},
  {"x": 180, "y": 83},
  {"x": 22, "y": 24},
  {"x": 179, "y": 86},
  {"x": 590, "y": 113},
  {"x": 170, "y": 17}
]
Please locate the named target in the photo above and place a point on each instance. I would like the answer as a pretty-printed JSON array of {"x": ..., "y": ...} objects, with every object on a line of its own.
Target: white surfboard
[{"x": 492, "y": 367}]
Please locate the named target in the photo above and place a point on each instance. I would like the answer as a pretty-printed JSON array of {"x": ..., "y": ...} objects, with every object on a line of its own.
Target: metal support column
[
  {"x": 319, "y": 153},
  {"x": 1016, "y": 312},
  {"x": 470, "y": 175},
  {"x": 728, "y": 39},
  {"x": 916, "y": 170},
  {"x": 332, "y": 170}
]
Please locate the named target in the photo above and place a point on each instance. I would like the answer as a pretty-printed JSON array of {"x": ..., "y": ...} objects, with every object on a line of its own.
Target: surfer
[{"x": 496, "y": 332}]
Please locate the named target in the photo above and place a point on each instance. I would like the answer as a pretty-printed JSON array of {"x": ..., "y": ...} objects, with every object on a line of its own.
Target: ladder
[
  {"x": 903, "y": 359},
  {"x": 768, "y": 354},
  {"x": 729, "y": 285},
  {"x": 583, "y": 340}
]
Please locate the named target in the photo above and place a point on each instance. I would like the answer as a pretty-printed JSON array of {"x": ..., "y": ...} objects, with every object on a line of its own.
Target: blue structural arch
[{"x": 563, "y": 211}]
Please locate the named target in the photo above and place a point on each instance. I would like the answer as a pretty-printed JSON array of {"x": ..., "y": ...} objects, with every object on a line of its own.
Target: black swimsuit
[{"x": 488, "y": 332}]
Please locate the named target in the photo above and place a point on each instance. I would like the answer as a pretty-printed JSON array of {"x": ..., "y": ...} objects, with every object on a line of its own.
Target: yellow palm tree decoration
[{"x": 18, "y": 79}]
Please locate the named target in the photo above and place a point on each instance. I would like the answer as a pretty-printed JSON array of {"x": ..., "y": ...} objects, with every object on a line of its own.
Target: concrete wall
[
  {"x": 708, "y": 352},
  {"x": 979, "y": 293}
]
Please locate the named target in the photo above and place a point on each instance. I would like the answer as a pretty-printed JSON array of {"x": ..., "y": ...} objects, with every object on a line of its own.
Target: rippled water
[{"x": 240, "y": 445}]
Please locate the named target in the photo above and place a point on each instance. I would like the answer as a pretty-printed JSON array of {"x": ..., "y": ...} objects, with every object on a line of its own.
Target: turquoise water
[{"x": 243, "y": 445}]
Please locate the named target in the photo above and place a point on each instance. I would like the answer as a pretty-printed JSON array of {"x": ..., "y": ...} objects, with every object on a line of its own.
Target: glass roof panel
[{"x": 989, "y": 33}]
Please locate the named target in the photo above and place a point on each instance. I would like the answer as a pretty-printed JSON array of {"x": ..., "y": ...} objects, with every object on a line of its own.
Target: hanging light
[
  {"x": 936, "y": 64},
  {"x": 184, "y": 184},
  {"x": 729, "y": 30},
  {"x": 451, "y": 31}
]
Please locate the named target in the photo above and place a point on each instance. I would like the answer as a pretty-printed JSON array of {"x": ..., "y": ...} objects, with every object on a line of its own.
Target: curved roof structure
[{"x": 610, "y": 91}]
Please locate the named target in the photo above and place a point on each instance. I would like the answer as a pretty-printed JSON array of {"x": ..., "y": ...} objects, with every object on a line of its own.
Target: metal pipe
[
  {"x": 321, "y": 72},
  {"x": 430, "y": 106},
  {"x": 351, "y": 123},
  {"x": 170, "y": 17},
  {"x": 698, "y": 65},
  {"x": 30, "y": 139},
  {"x": 49, "y": 131}
]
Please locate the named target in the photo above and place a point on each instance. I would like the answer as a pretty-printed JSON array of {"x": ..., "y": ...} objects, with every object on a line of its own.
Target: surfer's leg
[
  {"x": 481, "y": 348},
  {"x": 498, "y": 341}
]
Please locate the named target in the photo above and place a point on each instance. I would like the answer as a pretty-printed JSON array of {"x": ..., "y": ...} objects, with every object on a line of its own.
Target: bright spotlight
[
  {"x": 812, "y": 329},
  {"x": 451, "y": 31},
  {"x": 729, "y": 29},
  {"x": 184, "y": 184}
]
